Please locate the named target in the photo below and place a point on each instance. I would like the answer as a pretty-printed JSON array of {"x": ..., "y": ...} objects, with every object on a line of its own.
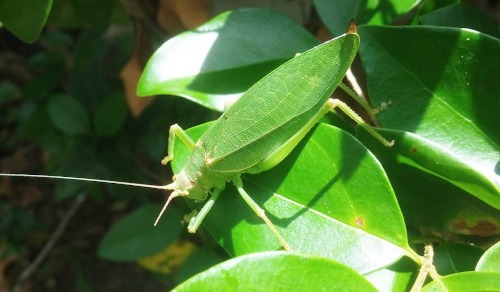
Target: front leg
[
  {"x": 195, "y": 222},
  {"x": 176, "y": 130}
]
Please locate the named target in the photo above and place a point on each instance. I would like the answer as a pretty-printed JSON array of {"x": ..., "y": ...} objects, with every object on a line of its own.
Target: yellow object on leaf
[{"x": 169, "y": 259}]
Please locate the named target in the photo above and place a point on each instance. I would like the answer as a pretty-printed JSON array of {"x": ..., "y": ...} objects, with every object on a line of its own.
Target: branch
[{"x": 26, "y": 274}]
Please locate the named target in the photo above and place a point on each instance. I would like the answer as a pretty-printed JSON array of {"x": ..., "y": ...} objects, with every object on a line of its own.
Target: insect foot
[
  {"x": 384, "y": 106},
  {"x": 166, "y": 160},
  {"x": 353, "y": 115}
]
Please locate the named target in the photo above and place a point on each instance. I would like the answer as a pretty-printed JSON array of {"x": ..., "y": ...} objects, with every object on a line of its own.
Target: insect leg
[
  {"x": 175, "y": 130},
  {"x": 353, "y": 115},
  {"x": 195, "y": 222},
  {"x": 174, "y": 194},
  {"x": 260, "y": 212}
]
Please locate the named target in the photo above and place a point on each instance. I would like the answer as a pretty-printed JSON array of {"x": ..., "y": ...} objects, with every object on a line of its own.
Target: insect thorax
[{"x": 200, "y": 174}]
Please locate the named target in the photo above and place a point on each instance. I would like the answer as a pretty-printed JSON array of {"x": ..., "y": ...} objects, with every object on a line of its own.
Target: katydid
[{"x": 260, "y": 129}]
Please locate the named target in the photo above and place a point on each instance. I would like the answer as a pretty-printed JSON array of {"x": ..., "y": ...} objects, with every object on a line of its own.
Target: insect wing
[{"x": 278, "y": 106}]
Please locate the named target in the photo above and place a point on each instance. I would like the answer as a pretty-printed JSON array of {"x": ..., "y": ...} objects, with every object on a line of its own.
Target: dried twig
[{"x": 26, "y": 274}]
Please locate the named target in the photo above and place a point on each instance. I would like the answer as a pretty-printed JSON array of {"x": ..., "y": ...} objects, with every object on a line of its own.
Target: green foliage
[
  {"x": 110, "y": 115},
  {"x": 352, "y": 210},
  {"x": 456, "y": 86},
  {"x": 134, "y": 237},
  {"x": 467, "y": 281},
  {"x": 455, "y": 157},
  {"x": 277, "y": 271},
  {"x": 454, "y": 258},
  {"x": 25, "y": 18},
  {"x": 216, "y": 63},
  {"x": 328, "y": 203},
  {"x": 335, "y": 14},
  {"x": 68, "y": 115},
  {"x": 490, "y": 261},
  {"x": 462, "y": 15}
]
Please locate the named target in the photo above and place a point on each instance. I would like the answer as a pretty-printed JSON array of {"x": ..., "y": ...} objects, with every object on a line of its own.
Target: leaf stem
[
  {"x": 414, "y": 256},
  {"x": 426, "y": 267},
  {"x": 26, "y": 274}
]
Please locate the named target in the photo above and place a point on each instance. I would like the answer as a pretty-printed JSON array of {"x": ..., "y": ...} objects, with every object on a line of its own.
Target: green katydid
[{"x": 260, "y": 129}]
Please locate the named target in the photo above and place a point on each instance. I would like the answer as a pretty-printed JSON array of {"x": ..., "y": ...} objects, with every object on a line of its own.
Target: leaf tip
[{"x": 352, "y": 29}]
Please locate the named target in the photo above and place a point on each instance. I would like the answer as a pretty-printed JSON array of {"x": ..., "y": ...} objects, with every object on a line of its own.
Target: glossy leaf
[
  {"x": 431, "y": 157},
  {"x": 429, "y": 6},
  {"x": 429, "y": 202},
  {"x": 335, "y": 14},
  {"x": 399, "y": 277},
  {"x": 451, "y": 258},
  {"x": 198, "y": 261},
  {"x": 466, "y": 282},
  {"x": 490, "y": 261},
  {"x": 135, "y": 237},
  {"x": 25, "y": 18},
  {"x": 462, "y": 15},
  {"x": 68, "y": 115},
  {"x": 277, "y": 271},
  {"x": 448, "y": 99},
  {"x": 221, "y": 59},
  {"x": 329, "y": 197}
]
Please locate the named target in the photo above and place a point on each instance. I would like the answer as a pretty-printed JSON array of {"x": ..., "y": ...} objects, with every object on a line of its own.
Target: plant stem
[{"x": 50, "y": 244}]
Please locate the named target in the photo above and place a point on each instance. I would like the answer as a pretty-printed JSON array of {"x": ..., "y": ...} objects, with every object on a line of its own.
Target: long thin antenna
[{"x": 165, "y": 187}]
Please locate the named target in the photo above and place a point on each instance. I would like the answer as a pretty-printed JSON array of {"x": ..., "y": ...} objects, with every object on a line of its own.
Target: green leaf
[
  {"x": 68, "y": 115},
  {"x": 58, "y": 39},
  {"x": 429, "y": 6},
  {"x": 65, "y": 15},
  {"x": 451, "y": 258},
  {"x": 25, "y": 18},
  {"x": 38, "y": 126},
  {"x": 66, "y": 189},
  {"x": 336, "y": 14},
  {"x": 430, "y": 157},
  {"x": 490, "y": 261},
  {"x": 448, "y": 99},
  {"x": 8, "y": 91},
  {"x": 399, "y": 277},
  {"x": 462, "y": 15},
  {"x": 466, "y": 282},
  {"x": 51, "y": 68},
  {"x": 110, "y": 115},
  {"x": 277, "y": 271},
  {"x": 221, "y": 59},
  {"x": 96, "y": 12},
  {"x": 89, "y": 84},
  {"x": 416, "y": 166},
  {"x": 329, "y": 197},
  {"x": 135, "y": 237},
  {"x": 198, "y": 261}
]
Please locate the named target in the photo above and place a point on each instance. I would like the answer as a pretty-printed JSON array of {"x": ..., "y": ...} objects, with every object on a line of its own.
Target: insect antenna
[{"x": 165, "y": 187}]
